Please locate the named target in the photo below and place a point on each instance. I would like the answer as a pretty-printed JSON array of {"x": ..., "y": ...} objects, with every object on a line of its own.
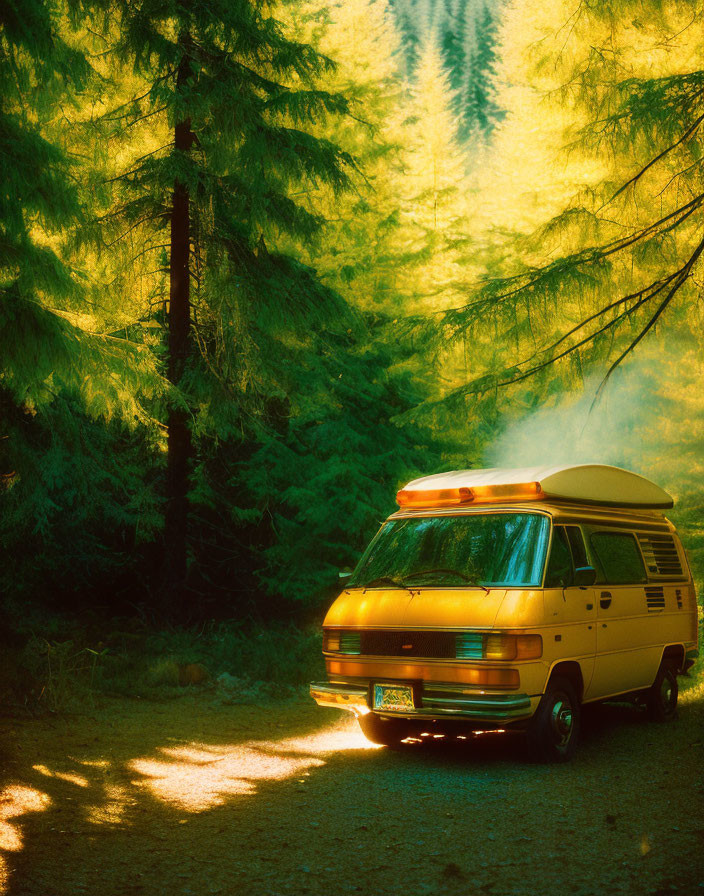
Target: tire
[
  {"x": 553, "y": 732},
  {"x": 661, "y": 698},
  {"x": 387, "y": 732}
]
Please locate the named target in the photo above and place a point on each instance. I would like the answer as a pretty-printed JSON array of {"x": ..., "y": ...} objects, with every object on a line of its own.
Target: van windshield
[{"x": 485, "y": 549}]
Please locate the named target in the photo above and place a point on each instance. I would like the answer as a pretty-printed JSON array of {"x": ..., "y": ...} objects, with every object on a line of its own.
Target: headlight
[
  {"x": 469, "y": 646},
  {"x": 497, "y": 646}
]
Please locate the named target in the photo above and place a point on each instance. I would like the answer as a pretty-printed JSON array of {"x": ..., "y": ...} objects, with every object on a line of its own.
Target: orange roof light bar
[
  {"x": 478, "y": 494},
  {"x": 437, "y": 497}
]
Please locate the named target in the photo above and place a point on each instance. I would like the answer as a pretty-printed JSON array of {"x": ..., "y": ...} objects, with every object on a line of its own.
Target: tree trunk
[{"x": 179, "y": 326}]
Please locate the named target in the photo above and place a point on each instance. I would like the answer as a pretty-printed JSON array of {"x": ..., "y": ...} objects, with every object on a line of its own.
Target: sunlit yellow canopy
[{"x": 581, "y": 483}]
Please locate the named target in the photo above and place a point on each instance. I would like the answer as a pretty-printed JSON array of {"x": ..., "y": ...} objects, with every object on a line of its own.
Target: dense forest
[{"x": 261, "y": 263}]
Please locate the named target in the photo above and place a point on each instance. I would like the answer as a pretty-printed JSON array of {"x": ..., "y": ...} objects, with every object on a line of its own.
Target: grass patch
[{"x": 242, "y": 662}]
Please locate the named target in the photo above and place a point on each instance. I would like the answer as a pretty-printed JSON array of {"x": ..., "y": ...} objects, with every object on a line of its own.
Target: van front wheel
[
  {"x": 554, "y": 729},
  {"x": 662, "y": 696}
]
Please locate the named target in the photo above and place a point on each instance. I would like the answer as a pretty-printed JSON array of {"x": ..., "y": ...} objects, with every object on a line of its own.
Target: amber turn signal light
[{"x": 497, "y": 646}]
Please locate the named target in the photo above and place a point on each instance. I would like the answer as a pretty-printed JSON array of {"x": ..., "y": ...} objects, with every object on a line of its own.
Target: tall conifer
[{"x": 237, "y": 95}]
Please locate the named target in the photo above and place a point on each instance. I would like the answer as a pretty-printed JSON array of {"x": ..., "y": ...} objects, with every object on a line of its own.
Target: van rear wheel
[
  {"x": 387, "y": 732},
  {"x": 661, "y": 698},
  {"x": 553, "y": 731}
]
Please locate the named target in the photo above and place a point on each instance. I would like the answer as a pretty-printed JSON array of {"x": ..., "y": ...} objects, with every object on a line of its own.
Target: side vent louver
[
  {"x": 655, "y": 598},
  {"x": 678, "y": 595},
  {"x": 660, "y": 555}
]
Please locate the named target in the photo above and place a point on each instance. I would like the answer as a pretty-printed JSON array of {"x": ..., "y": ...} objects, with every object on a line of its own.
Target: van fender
[
  {"x": 675, "y": 655},
  {"x": 571, "y": 670}
]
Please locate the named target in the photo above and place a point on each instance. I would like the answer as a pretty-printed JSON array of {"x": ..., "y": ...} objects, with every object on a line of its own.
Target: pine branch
[
  {"x": 148, "y": 155},
  {"x": 687, "y": 134},
  {"x": 528, "y": 282},
  {"x": 110, "y": 116},
  {"x": 684, "y": 274},
  {"x": 609, "y": 325}
]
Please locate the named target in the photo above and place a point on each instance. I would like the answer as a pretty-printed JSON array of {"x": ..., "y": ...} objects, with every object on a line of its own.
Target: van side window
[
  {"x": 619, "y": 557},
  {"x": 576, "y": 540},
  {"x": 559, "y": 572}
]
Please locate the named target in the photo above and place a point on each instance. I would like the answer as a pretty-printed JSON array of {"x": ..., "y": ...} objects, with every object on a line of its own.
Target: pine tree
[
  {"x": 49, "y": 339},
  {"x": 35, "y": 192},
  {"x": 356, "y": 251},
  {"x": 314, "y": 475},
  {"x": 466, "y": 35},
  {"x": 236, "y": 94},
  {"x": 480, "y": 111},
  {"x": 67, "y": 387}
]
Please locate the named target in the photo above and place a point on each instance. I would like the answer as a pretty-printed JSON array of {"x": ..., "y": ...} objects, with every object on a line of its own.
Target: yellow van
[{"x": 507, "y": 599}]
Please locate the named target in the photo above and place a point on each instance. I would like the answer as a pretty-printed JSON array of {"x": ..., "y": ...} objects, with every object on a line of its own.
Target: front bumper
[{"x": 434, "y": 700}]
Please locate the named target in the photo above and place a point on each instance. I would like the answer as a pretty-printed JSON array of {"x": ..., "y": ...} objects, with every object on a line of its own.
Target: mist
[{"x": 648, "y": 420}]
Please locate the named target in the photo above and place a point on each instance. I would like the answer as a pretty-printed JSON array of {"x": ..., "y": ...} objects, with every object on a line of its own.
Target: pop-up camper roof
[{"x": 583, "y": 484}]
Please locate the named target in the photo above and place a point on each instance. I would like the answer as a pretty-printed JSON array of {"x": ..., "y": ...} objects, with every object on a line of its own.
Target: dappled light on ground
[
  {"x": 196, "y": 777},
  {"x": 16, "y": 801},
  {"x": 111, "y": 810},
  {"x": 110, "y": 789},
  {"x": 78, "y": 780},
  {"x": 190, "y": 797}
]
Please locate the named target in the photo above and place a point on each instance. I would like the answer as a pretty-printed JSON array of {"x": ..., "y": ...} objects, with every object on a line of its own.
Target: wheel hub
[{"x": 562, "y": 721}]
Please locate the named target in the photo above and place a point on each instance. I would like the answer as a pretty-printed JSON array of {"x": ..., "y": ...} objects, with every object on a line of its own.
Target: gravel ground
[{"x": 199, "y": 796}]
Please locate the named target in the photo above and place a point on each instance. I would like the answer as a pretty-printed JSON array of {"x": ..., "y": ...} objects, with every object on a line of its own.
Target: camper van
[{"x": 497, "y": 599}]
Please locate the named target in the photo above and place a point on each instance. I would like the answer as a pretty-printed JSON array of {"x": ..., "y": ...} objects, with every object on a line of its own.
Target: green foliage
[
  {"x": 79, "y": 505},
  {"x": 32, "y": 275},
  {"x": 594, "y": 279},
  {"x": 247, "y": 167},
  {"x": 362, "y": 280},
  {"x": 323, "y": 474}
]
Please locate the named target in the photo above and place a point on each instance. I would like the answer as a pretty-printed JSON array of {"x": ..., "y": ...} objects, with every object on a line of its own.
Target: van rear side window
[{"x": 619, "y": 558}]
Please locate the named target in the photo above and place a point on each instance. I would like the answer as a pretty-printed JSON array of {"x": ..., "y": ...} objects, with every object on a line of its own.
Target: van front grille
[
  {"x": 434, "y": 645},
  {"x": 655, "y": 599},
  {"x": 660, "y": 555}
]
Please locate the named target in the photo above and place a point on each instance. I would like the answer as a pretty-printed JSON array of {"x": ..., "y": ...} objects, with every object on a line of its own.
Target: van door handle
[{"x": 605, "y": 600}]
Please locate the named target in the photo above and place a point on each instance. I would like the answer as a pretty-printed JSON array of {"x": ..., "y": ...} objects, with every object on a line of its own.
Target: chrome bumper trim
[
  {"x": 437, "y": 700},
  {"x": 515, "y": 706}
]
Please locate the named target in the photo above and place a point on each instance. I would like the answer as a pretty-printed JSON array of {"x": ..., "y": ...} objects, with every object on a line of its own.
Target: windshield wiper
[
  {"x": 386, "y": 580},
  {"x": 446, "y": 571}
]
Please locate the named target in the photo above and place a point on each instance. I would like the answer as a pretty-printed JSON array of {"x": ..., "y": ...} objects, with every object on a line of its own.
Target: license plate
[{"x": 395, "y": 697}]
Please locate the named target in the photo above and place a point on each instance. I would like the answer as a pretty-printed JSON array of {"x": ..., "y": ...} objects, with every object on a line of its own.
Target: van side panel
[
  {"x": 569, "y": 629},
  {"x": 635, "y": 623},
  {"x": 629, "y": 640}
]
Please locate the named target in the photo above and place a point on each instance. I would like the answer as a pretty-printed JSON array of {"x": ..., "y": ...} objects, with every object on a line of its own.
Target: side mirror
[
  {"x": 345, "y": 573},
  {"x": 584, "y": 575}
]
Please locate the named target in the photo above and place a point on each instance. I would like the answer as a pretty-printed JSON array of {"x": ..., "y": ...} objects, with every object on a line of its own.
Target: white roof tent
[{"x": 578, "y": 484}]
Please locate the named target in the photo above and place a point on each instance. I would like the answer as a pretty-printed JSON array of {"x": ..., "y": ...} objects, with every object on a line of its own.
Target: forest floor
[{"x": 197, "y": 795}]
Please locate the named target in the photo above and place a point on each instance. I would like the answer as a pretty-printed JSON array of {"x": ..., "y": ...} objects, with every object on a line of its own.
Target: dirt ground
[{"x": 198, "y": 796}]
